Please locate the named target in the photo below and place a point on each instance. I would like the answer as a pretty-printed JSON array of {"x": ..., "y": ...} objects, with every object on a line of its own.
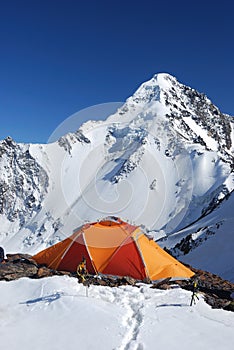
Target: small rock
[
  {"x": 164, "y": 284},
  {"x": 128, "y": 280},
  {"x": 44, "y": 272}
]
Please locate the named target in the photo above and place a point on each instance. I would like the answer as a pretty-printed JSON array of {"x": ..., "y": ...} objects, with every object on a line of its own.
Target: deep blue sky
[{"x": 60, "y": 56}]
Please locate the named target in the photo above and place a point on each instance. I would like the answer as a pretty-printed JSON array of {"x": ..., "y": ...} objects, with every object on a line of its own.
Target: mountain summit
[
  {"x": 186, "y": 110},
  {"x": 164, "y": 160}
]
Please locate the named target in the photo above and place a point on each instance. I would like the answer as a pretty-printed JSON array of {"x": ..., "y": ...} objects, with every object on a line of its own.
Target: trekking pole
[
  {"x": 194, "y": 295},
  {"x": 192, "y": 299},
  {"x": 86, "y": 285}
]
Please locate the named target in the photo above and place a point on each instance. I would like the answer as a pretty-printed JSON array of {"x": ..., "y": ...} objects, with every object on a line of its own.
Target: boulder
[
  {"x": 44, "y": 272},
  {"x": 11, "y": 271},
  {"x": 14, "y": 258}
]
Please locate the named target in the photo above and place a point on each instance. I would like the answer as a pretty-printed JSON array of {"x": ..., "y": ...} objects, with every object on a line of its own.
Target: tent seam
[
  {"x": 116, "y": 250},
  {"x": 141, "y": 255},
  {"x": 69, "y": 246},
  {"x": 90, "y": 256}
]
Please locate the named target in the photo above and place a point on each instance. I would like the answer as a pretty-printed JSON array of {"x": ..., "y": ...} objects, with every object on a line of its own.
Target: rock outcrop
[{"x": 217, "y": 292}]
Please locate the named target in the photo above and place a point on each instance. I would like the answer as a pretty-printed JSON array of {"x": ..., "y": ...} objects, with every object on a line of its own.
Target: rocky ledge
[{"x": 217, "y": 292}]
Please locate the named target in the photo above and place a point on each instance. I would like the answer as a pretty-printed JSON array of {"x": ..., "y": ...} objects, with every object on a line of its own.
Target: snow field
[{"x": 54, "y": 313}]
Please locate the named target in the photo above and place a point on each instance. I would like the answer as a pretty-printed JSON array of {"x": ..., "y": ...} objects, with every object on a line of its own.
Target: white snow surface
[
  {"x": 215, "y": 254},
  {"x": 54, "y": 313}
]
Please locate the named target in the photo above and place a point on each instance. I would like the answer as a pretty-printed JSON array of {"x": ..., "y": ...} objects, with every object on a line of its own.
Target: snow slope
[
  {"x": 163, "y": 160},
  {"x": 54, "y": 313},
  {"x": 211, "y": 243}
]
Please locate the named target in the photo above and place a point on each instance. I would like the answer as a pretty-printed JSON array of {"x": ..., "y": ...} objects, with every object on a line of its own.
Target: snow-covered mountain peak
[
  {"x": 163, "y": 81},
  {"x": 183, "y": 110},
  {"x": 151, "y": 90}
]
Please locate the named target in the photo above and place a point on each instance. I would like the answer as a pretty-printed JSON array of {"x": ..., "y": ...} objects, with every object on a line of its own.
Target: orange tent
[{"x": 113, "y": 248}]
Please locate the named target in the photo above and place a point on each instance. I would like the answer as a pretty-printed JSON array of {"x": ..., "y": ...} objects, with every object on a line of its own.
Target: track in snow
[{"x": 132, "y": 300}]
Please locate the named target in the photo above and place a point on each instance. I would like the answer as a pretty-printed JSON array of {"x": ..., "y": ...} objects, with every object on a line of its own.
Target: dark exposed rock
[
  {"x": 164, "y": 284},
  {"x": 229, "y": 306},
  {"x": 217, "y": 292},
  {"x": 23, "y": 265},
  {"x": 44, "y": 272},
  {"x": 23, "y": 184},
  {"x": 68, "y": 140},
  {"x": 64, "y": 273},
  {"x": 128, "y": 280},
  {"x": 10, "y": 271},
  {"x": 110, "y": 281},
  {"x": 185, "y": 245},
  {"x": 14, "y": 258}
]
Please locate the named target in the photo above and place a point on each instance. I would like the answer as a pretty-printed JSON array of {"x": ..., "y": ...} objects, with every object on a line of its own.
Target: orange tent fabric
[{"x": 113, "y": 248}]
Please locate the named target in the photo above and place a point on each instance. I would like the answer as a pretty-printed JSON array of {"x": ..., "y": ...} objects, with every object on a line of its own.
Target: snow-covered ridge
[{"x": 163, "y": 160}]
